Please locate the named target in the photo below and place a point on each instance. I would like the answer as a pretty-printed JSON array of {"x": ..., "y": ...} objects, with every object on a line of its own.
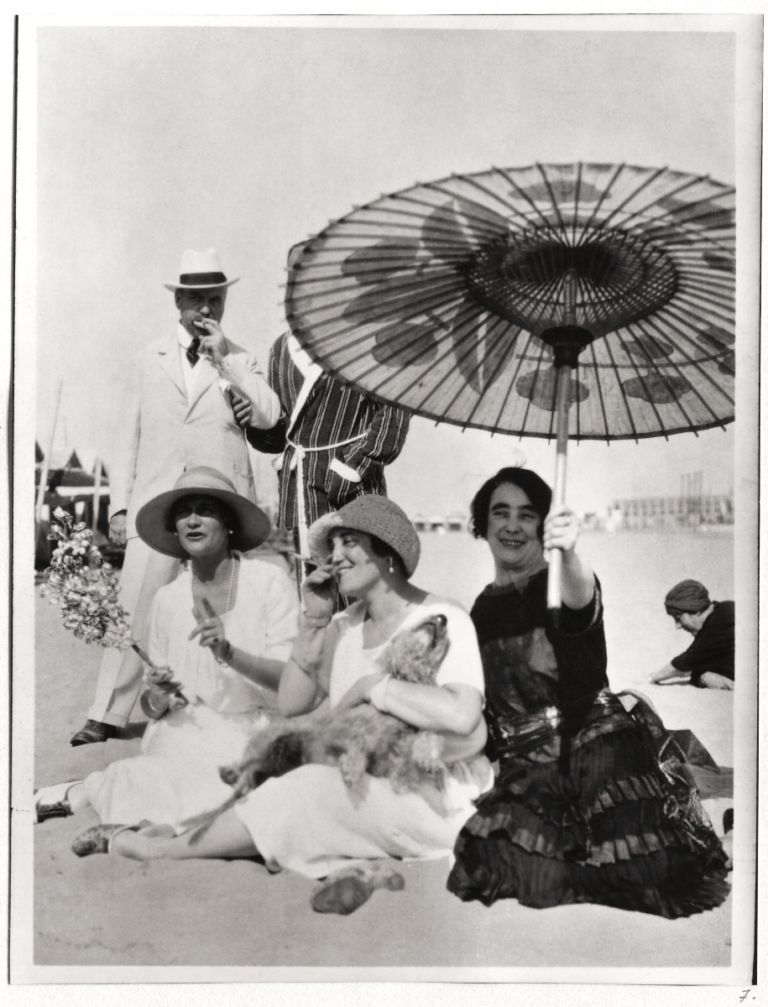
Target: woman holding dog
[
  {"x": 583, "y": 808},
  {"x": 219, "y": 637},
  {"x": 308, "y": 820}
]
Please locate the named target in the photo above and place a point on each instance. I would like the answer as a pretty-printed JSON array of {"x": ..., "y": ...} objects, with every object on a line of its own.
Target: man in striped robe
[{"x": 335, "y": 441}]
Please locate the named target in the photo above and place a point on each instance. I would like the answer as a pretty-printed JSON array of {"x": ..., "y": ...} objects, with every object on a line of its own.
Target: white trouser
[{"x": 120, "y": 676}]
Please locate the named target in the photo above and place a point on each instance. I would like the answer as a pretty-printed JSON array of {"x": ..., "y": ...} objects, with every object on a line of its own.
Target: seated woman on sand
[
  {"x": 308, "y": 820},
  {"x": 225, "y": 628},
  {"x": 592, "y": 803}
]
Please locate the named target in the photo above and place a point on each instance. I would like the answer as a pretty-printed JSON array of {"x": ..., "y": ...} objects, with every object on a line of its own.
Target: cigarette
[{"x": 308, "y": 559}]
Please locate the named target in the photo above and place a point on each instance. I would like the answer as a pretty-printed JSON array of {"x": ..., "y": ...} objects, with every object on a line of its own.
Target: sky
[{"x": 141, "y": 141}]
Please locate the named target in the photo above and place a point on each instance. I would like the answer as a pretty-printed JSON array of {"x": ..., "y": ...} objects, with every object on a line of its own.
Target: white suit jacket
[{"x": 163, "y": 433}]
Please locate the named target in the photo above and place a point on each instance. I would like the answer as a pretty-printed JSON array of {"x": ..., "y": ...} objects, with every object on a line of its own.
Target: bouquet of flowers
[{"x": 85, "y": 587}]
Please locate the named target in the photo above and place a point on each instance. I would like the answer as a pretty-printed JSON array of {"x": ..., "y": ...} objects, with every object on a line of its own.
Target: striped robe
[{"x": 333, "y": 412}]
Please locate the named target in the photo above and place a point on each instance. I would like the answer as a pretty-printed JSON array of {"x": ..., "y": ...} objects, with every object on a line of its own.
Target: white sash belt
[{"x": 297, "y": 462}]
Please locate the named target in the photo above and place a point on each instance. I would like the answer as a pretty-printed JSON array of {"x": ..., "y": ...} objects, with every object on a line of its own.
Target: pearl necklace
[{"x": 232, "y": 577}]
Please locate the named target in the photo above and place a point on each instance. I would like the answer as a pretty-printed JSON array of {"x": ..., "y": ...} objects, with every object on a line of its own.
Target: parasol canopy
[
  {"x": 591, "y": 300},
  {"x": 461, "y": 299}
]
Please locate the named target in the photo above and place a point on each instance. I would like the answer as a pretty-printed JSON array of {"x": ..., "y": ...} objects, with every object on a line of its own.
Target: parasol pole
[
  {"x": 567, "y": 340},
  {"x": 558, "y": 489}
]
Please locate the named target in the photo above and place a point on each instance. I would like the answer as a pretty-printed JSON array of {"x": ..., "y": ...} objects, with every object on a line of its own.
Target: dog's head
[{"x": 415, "y": 654}]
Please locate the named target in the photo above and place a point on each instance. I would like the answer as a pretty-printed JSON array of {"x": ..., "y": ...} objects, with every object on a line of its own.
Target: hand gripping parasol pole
[{"x": 567, "y": 340}]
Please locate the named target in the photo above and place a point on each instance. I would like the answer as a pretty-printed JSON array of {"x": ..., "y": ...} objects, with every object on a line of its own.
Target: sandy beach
[{"x": 117, "y": 914}]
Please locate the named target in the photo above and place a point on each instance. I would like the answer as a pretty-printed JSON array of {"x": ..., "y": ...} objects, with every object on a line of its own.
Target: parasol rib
[
  {"x": 524, "y": 195},
  {"x": 697, "y": 366},
  {"x": 601, "y": 399},
  {"x": 509, "y": 334},
  {"x": 360, "y": 340},
  {"x": 509, "y": 207},
  {"x": 603, "y": 196},
  {"x": 678, "y": 402},
  {"x": 576, "y": 202},
  {"x": 384, "y": 306},
  {"x": 656, "y": 201},
  {"x": 512, "y": 384},
  {"x": 428, "y": 272},
  {"x": 675, "y": 218},
  {"x": 555, "y": 204},
  {"x": 628, "y": 199},
  {"x": 474, "y": 327},
  {"x": 375, "y": 366}
]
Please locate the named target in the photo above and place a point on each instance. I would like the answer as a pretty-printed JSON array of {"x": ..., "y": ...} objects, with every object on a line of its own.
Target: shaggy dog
[{"x": 360, "y": 740}]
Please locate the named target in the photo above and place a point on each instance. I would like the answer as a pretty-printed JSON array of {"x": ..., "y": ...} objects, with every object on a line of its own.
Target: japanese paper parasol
[{"x": 593, "y": 299}]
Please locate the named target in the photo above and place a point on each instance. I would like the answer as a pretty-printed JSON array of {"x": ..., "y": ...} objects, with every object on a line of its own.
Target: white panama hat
[{"x": 200, "y": 271}]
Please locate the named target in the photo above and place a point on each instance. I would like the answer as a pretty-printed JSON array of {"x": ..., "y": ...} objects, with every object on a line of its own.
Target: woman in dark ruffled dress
[{"x": 593, "y": 801}]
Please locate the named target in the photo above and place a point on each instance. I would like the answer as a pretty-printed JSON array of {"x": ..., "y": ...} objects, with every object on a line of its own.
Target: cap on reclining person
[
  {"x": 687, "y": 596},
  {"x": 200, "y": 271}
]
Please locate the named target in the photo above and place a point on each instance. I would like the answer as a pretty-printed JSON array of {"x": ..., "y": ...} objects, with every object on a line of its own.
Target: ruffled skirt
[{"x": 615, "y": 820}]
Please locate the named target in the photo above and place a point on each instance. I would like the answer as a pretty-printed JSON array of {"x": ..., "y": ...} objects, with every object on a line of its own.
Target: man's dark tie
[{"x": 193, "y": 354}]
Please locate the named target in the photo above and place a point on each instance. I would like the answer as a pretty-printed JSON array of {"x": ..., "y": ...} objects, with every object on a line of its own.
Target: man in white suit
[{"x": 178, "y": 415}]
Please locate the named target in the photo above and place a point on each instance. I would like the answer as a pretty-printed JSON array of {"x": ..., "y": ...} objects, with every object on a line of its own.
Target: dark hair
[
  {"x": 534, "y": 487},
  {"x": 227, "y": 514}
]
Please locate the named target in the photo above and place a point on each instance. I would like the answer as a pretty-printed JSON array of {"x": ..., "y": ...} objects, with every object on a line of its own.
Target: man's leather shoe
[{"x": 93, "y": 731}]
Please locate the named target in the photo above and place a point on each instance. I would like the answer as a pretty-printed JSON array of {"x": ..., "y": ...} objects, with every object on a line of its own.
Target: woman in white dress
[
  {"x": 308, "y": 820},
  {"x": 224, "y": 628}
]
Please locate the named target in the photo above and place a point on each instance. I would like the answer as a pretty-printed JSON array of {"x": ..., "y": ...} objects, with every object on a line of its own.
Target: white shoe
[{"x": 52, "y": 802}]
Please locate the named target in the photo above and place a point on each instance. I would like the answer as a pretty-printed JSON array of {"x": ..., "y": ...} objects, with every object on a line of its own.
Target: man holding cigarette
[{"x": 178, "y": 415}]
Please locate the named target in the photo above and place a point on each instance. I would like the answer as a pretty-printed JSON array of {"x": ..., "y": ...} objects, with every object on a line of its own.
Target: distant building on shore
[
  {"x": 437, "y": 523},
  {"x": 672, "y": 512},
  {"x": 456, "y": 522}
]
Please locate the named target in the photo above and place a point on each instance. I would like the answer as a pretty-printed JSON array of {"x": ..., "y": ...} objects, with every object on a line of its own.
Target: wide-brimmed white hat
[
  {"x": 199, "y": 271},
  {"x": 154, "y": 520}
]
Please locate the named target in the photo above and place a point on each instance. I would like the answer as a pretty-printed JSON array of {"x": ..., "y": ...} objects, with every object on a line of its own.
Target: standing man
[
  {"x": 335, "y": 441},
  {"x": 709, "y": 661},
  {"x": 178, "y": 415}
]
